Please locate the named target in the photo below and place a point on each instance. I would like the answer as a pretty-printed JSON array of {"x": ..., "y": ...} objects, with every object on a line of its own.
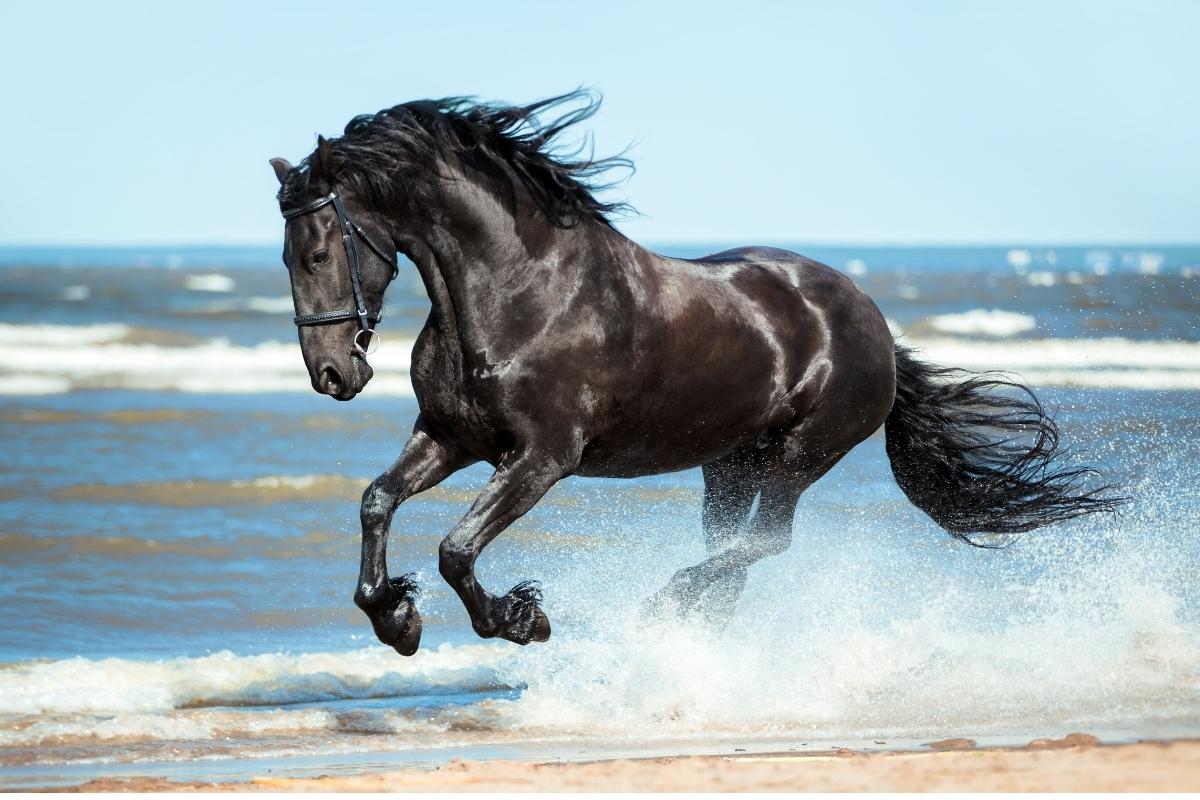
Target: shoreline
[{"x": 1078, "y": 762}]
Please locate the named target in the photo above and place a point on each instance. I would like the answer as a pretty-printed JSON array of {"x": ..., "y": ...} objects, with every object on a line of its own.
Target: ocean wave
[
  {"x": 268, "y": 489},
  {"x": 280, "y": 304},
  {"x": 49, "y": 359},
  {"x": 830, "y": 642},
  {"x": 61, "y": 335},
  {"x": 202, "y": 493},
  {"x": 122, "y": 686},
  {"x": 1061, "y": 658},
  {"x": 37, "y": 359},
  {"x": 209, "y": 282},
  {"x": 183, "y": 726},
  {"x": 1091, "y": 363},
  {"x": 853, "y": 644},
  {"x": 983, "y": 322},
  {"x": 77, "y": 709}
]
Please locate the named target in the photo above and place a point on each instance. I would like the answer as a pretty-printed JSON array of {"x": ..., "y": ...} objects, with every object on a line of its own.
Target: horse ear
[
  {"x": 325, "y": 159},
  {"x": 282, "y": 167}
]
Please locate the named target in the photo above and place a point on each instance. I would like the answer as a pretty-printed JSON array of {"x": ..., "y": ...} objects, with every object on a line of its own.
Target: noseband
[{"x": 349, "y": 230}]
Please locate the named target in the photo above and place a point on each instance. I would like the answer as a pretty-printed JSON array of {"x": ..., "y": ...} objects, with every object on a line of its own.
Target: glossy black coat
[{"x": 554, "y": 350}]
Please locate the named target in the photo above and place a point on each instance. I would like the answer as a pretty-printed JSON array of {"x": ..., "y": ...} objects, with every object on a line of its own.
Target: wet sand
[{"x": 1076, "y": 763}]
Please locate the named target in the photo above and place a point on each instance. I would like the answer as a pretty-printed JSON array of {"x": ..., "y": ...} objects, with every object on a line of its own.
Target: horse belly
[{"x": 670, "y": 428}]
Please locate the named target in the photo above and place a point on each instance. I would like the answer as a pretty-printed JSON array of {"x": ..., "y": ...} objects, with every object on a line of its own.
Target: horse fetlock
[
  {"x": 684, "y": 586},
  {"x": 454, "y": 561},
  {"x": 369, "y": 598},
  {"x": 372, "y": 596}
]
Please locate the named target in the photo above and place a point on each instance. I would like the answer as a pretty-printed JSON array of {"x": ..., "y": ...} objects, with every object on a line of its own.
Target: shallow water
[{"x": 178, "y": 538}]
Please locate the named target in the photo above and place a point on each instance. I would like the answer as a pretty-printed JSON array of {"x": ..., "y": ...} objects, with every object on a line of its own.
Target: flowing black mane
[{"x": 509, "y": 144}]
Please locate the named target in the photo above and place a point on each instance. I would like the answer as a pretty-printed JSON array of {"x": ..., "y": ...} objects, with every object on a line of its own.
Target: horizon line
[{"x": 930, "y": 243}]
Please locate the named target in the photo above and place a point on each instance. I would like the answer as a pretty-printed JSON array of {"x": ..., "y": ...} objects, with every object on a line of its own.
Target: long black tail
[{"x": 978, "y": 460}]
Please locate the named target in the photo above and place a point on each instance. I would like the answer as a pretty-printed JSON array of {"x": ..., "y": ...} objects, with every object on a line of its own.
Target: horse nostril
[{"x": 330, "y": 381}]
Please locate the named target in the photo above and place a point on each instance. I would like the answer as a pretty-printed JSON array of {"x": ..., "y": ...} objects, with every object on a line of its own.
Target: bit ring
[{"x": 372, "y": 342}]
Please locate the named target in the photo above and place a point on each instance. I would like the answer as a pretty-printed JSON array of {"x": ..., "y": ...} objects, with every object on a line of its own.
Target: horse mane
[{"x": 512, "y": 145}]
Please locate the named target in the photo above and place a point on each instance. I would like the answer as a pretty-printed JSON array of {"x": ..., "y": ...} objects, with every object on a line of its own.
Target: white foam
[
  {"x": 121, "y": 686},
  {"x": 76, "y": 293},
  {"x": 62, "y": 358},
  {"x": 56, "y": 335},
  {"x": 212, "y": 282},
  {"x": 852, "y": 636},
  {"x": 1048, "y": 354},
  {"x": 263, "y": 305},
  {"x": 1086, "y": 363},
  {"x": 856, "y": 267},
  {"x": 847, "y": 635},
  {"x": 984, "y": 322},
  {"x": 1019, "y": 259},
  {"x": 272, "y": 305},
  {"x": 46, "y": 359},
  {"x": 1150, "y": 263},
  {"x": 33, "y": 385},
  {"x": 175, "y": 726}
]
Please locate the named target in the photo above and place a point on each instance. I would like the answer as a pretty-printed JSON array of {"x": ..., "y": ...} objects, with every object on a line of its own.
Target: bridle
[{"x": 349, "y": 230}]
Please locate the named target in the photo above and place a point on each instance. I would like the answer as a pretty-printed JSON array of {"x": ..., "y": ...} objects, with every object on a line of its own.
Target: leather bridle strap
[{"x": 350, "y": 231}]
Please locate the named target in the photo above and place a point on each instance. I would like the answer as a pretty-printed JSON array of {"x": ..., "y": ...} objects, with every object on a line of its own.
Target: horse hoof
[
  {"x": 666, "y": 606},
  {"x": 398, "y": 623},
  {"x": 523, "y": 619},
  {"x": 400, "y": 627},
  {"x": 673, "y": 601}
]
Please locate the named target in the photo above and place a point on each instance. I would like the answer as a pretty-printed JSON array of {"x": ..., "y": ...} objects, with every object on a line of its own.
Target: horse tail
[{"x": 978, "y": 460}]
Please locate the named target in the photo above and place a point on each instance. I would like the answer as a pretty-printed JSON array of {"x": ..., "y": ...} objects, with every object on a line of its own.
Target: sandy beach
[{"x": 1075, "y": 763}]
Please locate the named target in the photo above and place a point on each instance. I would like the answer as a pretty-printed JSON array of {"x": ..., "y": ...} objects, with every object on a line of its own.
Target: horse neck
[{"x": 483, "y": 253}]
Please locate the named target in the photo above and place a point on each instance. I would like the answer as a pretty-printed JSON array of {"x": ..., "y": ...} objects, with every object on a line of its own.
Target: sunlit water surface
[{"x": 179, "y": 545}]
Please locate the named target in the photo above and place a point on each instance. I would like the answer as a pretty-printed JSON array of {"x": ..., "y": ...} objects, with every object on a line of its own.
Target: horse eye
[{"x": 320, "y": 257}]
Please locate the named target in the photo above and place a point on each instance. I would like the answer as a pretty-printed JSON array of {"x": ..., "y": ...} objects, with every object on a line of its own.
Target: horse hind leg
[
  {"x": 788, "y": 467},
  {"x": 730, "y": 486}
]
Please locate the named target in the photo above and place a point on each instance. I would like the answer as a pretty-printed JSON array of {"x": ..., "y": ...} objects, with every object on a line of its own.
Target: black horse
[{"x": 556, "y": 346}]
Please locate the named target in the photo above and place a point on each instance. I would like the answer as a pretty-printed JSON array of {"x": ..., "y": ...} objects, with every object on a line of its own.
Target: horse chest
[{"x": 454, "y": 399}]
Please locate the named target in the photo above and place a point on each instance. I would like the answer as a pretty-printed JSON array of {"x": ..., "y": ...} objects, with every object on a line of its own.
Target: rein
[{"x": 350, "y": 230}]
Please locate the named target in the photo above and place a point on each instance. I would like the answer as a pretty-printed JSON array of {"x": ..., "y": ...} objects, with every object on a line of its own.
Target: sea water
[{"x": 179, "y": 542}]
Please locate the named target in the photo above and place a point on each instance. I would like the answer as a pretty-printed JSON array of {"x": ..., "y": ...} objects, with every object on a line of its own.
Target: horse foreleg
[
  {"x": 516, "y": 486},
  {"x": 388, "y": 602}
]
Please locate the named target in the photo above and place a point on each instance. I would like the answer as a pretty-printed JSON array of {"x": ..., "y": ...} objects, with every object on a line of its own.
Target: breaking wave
[
  {"x": 982, "y": 322},
  {"x": 118, "y": 686},
  {"x": 1100, "y": 640},
  {"x": 50, "y": 359},
  {"x": 37, "y": 359},
  {"x": 1090, "y": 363}
]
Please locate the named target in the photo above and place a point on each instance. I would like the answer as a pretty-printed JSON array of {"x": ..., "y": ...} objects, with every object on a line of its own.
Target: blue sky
[{"x": 855, "y": 122}]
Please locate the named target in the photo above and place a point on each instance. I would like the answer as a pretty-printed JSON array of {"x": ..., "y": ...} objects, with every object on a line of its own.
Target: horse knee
[{"x": 378, "y": 504}]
